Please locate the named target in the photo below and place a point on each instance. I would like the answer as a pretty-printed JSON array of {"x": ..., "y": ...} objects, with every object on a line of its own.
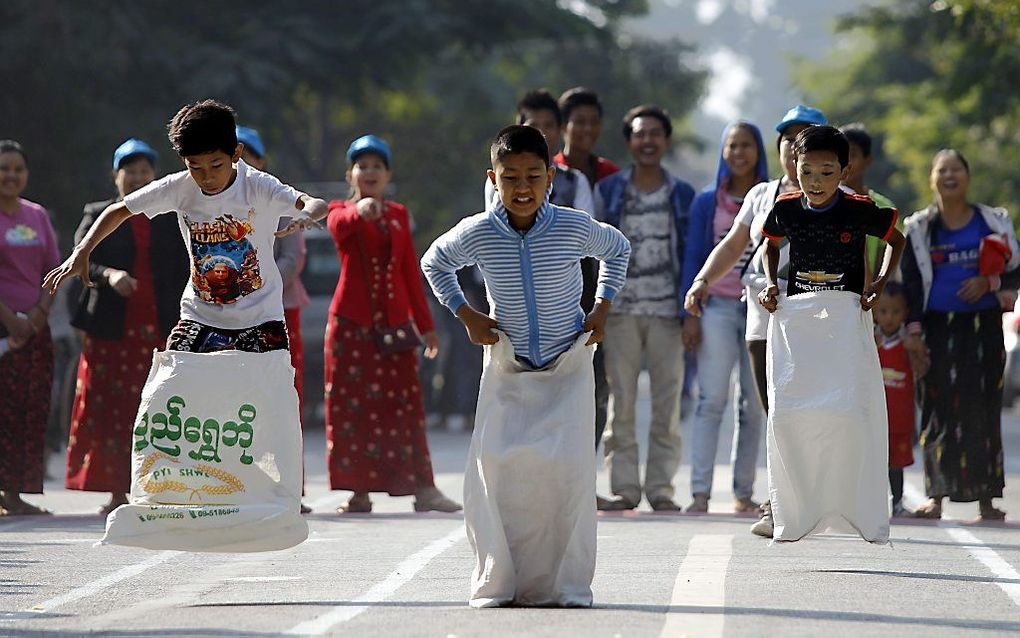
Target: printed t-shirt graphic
[
  {"x": 827, "y": 245},
  {"x": 224, "y": 263},
  {"x": 235, "y": 282}
]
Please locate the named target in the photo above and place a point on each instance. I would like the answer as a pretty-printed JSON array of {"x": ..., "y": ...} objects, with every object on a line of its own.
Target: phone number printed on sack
[{"x": 163, "y": 430}]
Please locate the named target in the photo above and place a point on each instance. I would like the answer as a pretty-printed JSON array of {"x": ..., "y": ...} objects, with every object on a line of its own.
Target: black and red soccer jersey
[{"x": 827, "y": 245}]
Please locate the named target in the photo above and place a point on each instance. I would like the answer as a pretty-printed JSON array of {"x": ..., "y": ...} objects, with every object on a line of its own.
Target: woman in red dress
[
  {"x": 140, "y": 271},
  {"x": 375, "y": 423}
]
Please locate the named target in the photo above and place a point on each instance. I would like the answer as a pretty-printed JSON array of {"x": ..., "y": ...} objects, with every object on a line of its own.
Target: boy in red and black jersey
[{"x": 827, "y": 227}]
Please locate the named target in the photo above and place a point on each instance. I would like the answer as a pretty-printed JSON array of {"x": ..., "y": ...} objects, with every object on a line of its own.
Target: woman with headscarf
[{"x": 718, "y": 335}]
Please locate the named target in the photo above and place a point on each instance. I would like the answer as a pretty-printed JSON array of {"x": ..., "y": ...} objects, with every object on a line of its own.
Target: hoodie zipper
[{"x": 534, "y": 351}]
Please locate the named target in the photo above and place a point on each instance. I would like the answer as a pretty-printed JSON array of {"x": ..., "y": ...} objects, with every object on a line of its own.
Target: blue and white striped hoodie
[{"x": 533, "y": 279}]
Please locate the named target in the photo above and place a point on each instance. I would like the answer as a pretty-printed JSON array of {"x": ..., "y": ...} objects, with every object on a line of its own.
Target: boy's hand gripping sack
[{"x": 217, "y": 456}]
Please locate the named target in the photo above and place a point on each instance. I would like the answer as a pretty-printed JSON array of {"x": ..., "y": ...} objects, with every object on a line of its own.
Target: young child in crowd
[
  {"x": 890, "y": 315},
  {"x": 824, "y": 445},
  {"x": 529, "y": 490}
]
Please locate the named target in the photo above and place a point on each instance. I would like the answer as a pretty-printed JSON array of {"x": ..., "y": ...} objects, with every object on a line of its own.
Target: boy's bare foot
[
  {"x": 700, "y": 504},
  {"x": 932, "y": 509}
]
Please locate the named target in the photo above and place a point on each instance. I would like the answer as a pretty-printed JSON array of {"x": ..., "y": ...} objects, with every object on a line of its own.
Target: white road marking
[
  {"x": 404, "y": 572},
  {"x": 990, "y": 559},
  {"x": 700, "y": 582},
  {"x": 1006, "y": 577},
  {"x": 96, "y": 586}
]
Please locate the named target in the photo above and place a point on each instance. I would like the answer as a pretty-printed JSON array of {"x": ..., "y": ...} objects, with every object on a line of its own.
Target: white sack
[
  {"x": 828, "y": 440},
  {"x": 217, "y": 457},
  {"x": 529, "y": 487}
]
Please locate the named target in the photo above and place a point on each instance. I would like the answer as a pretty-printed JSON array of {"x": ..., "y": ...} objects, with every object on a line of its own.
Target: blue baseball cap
[
  {"x": 369, "y": 144},
  {"x": 251, "y": 140},
  {"x": 130, "y": 148},
  {"x": 801, "y": 114}
]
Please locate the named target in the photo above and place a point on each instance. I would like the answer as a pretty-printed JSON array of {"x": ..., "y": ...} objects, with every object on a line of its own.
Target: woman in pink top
[
  {"x": 28, "y": 250},
  {"x": 718, "y": 336}
]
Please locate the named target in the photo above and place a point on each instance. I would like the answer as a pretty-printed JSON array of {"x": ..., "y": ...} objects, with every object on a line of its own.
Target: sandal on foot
[
  {"x": 614, "y": 504},
  {"x": 355, "y": 505},
  {"x": 992, "y": 513},
  {"x": 700, "y": 504},
  {"x": 664, "y": 504},
  {"x": 930, "y": 510},
  {"x": 435, "y": 501},
  {"x": 745, "y": 506}
]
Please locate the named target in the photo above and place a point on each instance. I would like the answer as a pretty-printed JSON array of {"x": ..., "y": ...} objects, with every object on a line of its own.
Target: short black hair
[
  {"x": 579, "y": 96},
  {"x": 951, "y": 152},
  {"x": 203, "y": 127},
  {"x": 823, "y": 138},
  {"x": 647, "y": 110},
  {"x": 896, "y": 289},
  {"x": 516, "y": 139},
  {"x": 857, "y": 135},
  {"x": 10, "y": 146},
  {"x": 538, "y": 100}
]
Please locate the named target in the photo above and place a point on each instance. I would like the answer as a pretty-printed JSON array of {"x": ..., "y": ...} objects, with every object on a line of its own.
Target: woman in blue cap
[
  {"x": 719, "y": 337},
  {"x": 140, "y": 271},
  {"x": 728, "y": 252},
  {"x": 375, "y": 422}
]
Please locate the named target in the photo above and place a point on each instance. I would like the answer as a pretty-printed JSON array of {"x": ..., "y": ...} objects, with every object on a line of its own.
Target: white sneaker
[{"x": 764, "y": 527}]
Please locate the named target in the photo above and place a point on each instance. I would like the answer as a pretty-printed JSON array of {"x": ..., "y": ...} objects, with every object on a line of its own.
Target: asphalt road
[{"x": 395, "y": 573}]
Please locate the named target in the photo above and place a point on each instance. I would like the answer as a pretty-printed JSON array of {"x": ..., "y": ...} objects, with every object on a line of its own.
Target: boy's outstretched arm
[
  {"x": 890, "y": 262},
  {"x": 440, "y": 264},
  {"x": 314, "y": 209},
  {"x": 769, "y": 296},
  {"x": 77, "y": 264}
]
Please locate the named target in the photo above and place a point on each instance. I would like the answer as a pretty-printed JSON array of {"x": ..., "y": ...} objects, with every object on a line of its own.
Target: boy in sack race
[
  {"x": 217, "y": 441},
  {"x": 827, "y": 437},
  {"x": 529, "y": 488}
]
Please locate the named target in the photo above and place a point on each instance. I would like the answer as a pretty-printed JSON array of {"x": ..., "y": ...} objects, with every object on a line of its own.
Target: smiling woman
[
  {"x": 961, "y": 254},
  {"x": 28, "y": 250}
]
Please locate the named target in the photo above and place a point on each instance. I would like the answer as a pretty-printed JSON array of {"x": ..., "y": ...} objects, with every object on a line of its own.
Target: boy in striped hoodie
[{"x": 529, "y": 490}]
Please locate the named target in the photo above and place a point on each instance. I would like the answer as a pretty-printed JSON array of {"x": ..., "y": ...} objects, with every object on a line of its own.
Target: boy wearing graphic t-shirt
[
  {"x": 826, "y": 227},
  {"x": 229, "y": 214}
]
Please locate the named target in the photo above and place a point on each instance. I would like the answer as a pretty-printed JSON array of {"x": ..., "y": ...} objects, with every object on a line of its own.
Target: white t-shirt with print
[{"x": 234, "y": 279}]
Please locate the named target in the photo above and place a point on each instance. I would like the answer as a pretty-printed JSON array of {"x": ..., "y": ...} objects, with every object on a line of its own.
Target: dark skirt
[
  {"x": 111, "y": 374},
  {"x": 375, "y": 423},
  {"x": 26, "y": 379},
  {"x": 961, "y": 428}
]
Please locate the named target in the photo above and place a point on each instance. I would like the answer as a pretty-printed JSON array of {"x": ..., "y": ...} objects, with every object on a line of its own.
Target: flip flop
[{"x": 355, "y": 506}]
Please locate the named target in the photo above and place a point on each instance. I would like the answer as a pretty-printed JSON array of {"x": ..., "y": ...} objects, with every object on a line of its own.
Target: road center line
[
  {"x": 700, "y": 582},
  {"x": 404, "y": 572},
  {"x": 96, "y": 586}
]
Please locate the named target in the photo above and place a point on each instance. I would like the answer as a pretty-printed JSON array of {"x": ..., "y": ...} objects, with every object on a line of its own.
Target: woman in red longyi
[{"x": 375, "y": 422}]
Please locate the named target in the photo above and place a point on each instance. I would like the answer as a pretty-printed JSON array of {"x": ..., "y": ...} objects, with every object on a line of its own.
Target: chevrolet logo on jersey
[{"x": 819, "y": 277}]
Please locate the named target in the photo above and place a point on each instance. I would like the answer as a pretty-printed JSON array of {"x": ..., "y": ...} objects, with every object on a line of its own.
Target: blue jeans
[{"x": 723, "y": 347}]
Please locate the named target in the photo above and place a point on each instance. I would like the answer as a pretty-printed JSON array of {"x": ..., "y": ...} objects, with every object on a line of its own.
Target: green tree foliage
[
  {"x": 927, "y": 75},
  {"x": 435, "y": 77}
]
